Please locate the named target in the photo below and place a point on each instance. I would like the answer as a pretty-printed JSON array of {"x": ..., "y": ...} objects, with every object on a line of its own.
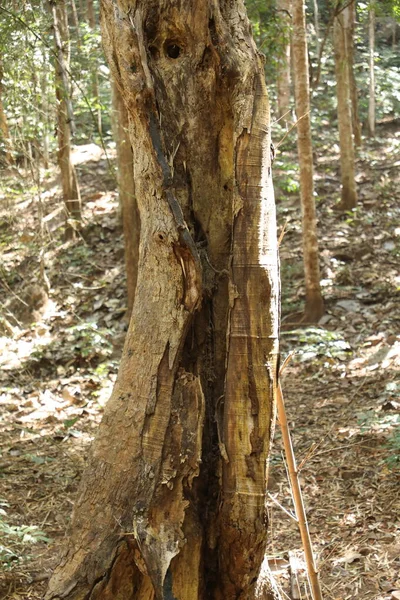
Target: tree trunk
[
  {"x": 355, "y": 121},
  {"x": 126, "y": 189},
  {"x": 75, "y": 20},
  {"x": 314, "y": 308},
  {"x": 65, "y": 119},
  {"x": 371, "y": 100},
  {"x": 316, "y": 25},
  {"x": 349, "y": 192},
  {"x": 45, "y": 110},
  {"x": 172, "y": 502},
  {"x": 394, "y": 29},
  {"x": 91, "y": 16},
  {"x": 283, "y": 74},
  {"x": 4, "y": 130}
]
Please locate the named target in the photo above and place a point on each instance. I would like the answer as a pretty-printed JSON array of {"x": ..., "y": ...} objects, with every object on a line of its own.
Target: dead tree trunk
[
  {"x": 65, "y": 119},
  {"x": 172, "y": 502},
  {"x": 126, "y": 191},
  {"x": 314, "y": 307},
  {"x": 349, "y": 192}
]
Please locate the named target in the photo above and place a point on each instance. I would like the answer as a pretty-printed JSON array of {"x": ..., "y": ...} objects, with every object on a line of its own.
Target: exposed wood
[
  {"x": 314, "y": 307},
  {"x": 172, "y": 502}
]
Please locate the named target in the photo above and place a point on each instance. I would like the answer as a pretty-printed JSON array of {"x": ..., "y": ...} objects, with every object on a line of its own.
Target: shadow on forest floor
[{"x": 59, "y": 363}]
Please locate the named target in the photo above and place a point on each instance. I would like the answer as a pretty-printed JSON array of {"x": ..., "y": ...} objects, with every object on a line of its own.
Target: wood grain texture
[{"x": 172, "y": 502}]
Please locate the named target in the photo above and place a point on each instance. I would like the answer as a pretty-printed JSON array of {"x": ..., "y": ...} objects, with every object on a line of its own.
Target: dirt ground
[{"x": 60, "y": 351}]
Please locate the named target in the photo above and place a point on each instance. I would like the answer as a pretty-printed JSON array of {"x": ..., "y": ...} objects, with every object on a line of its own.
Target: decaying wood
[{"x": 172, "y": 502}]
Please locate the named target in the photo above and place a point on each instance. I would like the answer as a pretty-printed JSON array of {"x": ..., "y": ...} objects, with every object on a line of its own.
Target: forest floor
[{"x": 59, "y": 356}]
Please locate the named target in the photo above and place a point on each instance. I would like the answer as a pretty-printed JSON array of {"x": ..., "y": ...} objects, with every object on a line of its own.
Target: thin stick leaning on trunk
[{"x": 297, "y": 495}]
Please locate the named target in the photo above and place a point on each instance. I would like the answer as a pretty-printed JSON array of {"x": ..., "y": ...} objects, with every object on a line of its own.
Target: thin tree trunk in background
[
  {"x": 314, "y": 307},
  {"x": 172, "y": 502},
  {"x": 350, "y": 30},
  {"x": 65, "y": 119},
  {"x": 5, "y": 134},
  {"x": 316, "y": 25},
  {"x": 4, "y": 130},
  {"x": 45, "y": 111},
  {"x": 75, "y": 19},
  {"x": 349, "y": 192},
  {"x": 126, "y": 189},
  {"x": 91, "y": 16},
  {"x": 283, "y": 71},
  {"x": 91, "y": 13},
  {"x": 371, "y": 100}
]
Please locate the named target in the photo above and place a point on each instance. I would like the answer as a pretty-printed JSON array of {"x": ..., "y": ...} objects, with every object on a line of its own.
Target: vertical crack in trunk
[
  {"x": 162, "y": 514},
  {"x": 251, "y": 362}
]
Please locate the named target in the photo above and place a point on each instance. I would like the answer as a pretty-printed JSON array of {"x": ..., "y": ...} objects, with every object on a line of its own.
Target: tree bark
[
  {"x": 75, "y": 20},
  {"x": 394, "y": 29},
  {"x": 4, "y": 129},
  {"x": 283, "y": 71},
  {"x": 316, "y": 25},
  {"x": 371, "y": 99},
  {"x": 65, "y": 119},
  {"x": 45, "y": 110},
  {"x": 355, "y": 121},
  {"x": 349, "y": 192},
  {"x": 172, "y": 502},
  {"x": 91, "y": 16},
  {"x": 314, "y": 307},
  {"x": 126, "y": 190}
]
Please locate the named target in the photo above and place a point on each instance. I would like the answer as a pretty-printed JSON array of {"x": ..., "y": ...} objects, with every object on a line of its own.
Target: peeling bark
[{"x": 172, "y": 502}]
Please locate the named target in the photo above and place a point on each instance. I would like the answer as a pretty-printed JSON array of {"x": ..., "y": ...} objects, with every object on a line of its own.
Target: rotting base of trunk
[{"x": 172, "y": 502}]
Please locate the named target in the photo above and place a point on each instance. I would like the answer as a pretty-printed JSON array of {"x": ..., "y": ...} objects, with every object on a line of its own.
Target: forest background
[{"x": 65, "y": 305}]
